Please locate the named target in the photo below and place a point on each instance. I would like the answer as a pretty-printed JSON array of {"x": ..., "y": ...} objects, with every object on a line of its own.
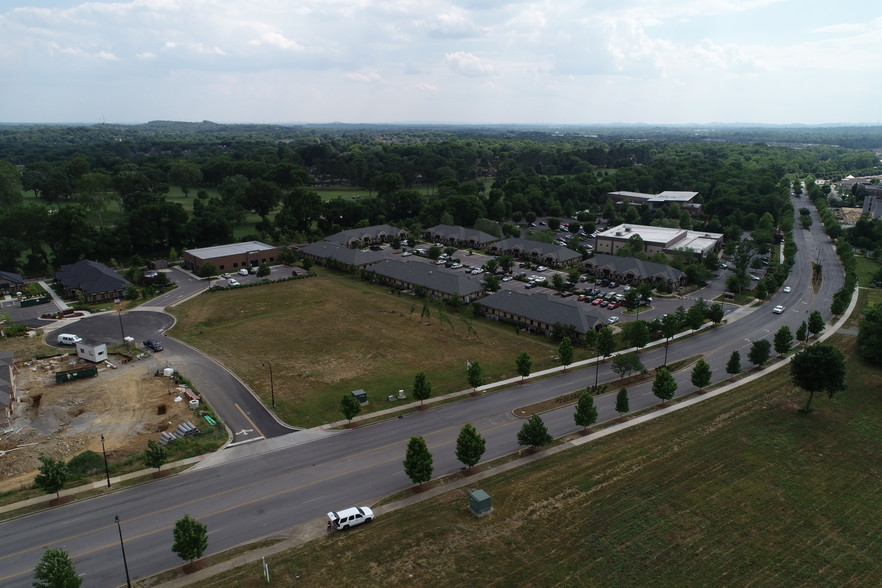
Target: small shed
[
  {"x": 92, "y": 351},
  {"x": 480, "y": 503},
  {"x": 360, "y": 395}
]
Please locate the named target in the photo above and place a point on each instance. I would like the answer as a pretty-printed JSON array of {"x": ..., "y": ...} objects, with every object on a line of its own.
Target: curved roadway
[{"x": 264, "y": 488}]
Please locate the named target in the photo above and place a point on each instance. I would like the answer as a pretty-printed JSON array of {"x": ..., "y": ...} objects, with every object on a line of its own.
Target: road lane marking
[{"x": 247, "y": 418}]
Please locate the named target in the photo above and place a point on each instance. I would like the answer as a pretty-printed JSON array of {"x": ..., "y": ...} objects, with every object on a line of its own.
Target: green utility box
[
  {"x": 75, "y": 374},
  {"x": 480, "y": 503},
  {"x": 25, "y": 302},
  {"x": 360, "y": 395}
]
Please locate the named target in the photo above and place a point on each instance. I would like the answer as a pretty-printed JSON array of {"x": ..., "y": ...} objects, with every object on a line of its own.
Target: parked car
[
  {"x": 613, "y": 305},
  {"x": 153, "y": 344},
  {"x": 597, "y": 301},
  {"x": 507, "y": 279},
  {"x": 612, "y": 320},
  {"x": 233, "y": 282},
  {"x": 68, "y": 339},
  {"x": 778, "y": 309},
  {"x": 350, "y": 517},
  {"x": 225, "y": 275},
  {"x": 243, "y": 272},
  {"x": 406, "y": 254}
]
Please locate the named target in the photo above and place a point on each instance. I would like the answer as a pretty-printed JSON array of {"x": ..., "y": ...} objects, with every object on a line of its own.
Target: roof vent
[{"x": 627, "y": 229}]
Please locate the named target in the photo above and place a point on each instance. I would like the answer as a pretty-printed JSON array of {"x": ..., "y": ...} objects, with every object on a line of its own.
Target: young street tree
[
  {"x": 565, "y": 351},
  {"x": 56, "y": 570},
  {"x": 625, "y": 364},
  {"x": 191, "y": 538},
  {"x": 156, "y": 455},
  {"x": 52, "y": 475},
  {"x": 636, "y": 333},
  {"x": 815, "y": 323},
  {"x": 622, "y": 404},
  {"x": 716, "y": 313},
  {"x": 350, "y": 406},
  {"x": 696, "y": 314},
  {"x": 664, "y": 385},
  {"x": 418, "y": 461},
  {"x": 759, "y": 352},
  {"x": 701, "y": 374},
  {"x": 470, "y": 446},
  {"x": 802, "y": 332},
  {"x": 524, "y": 364},
  {"x": 818, "y": 368},
  {"x": 606, "y": 344},
  {"x": 733, "y": 367},
  {"x": 670, "y": 324},
  {"x": 474, "y": 375},
  {"x": 783, "y": 340},
  {"x": 534, "y": 433},
  {"x": 422, "y": 388},
  {"x": 586, "y": 412}
]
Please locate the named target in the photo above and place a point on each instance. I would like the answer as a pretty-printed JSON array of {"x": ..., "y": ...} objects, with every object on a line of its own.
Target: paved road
[{"x": 250, "y": 492}]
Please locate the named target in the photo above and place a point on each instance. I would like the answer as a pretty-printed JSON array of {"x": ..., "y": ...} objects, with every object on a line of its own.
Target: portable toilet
[
  {"x": 480, "y": 503},
  {"x": 360, "y": 395}
]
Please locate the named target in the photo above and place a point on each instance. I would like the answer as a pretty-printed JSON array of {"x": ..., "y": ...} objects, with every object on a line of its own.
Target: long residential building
[
  {"x": 630, "y": 270},
  {"x": 537, "y": 251},
  {"x": 434, "y": 281},
  {"x": 539, "y": 313}
]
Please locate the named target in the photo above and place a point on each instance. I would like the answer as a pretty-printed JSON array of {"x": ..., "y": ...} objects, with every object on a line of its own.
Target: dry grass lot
[
  {"x": 334, "y": 333},
  {"x": 741, "y": 490}
]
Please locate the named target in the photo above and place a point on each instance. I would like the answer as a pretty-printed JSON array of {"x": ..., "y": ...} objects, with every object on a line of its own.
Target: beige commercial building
[{"x": 657, "y": 239}]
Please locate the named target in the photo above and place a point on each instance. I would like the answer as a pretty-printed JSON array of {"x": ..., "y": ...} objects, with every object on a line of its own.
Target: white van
[
  {"x": 243, "y": 272},
  {"x": 68, "y": 339}
]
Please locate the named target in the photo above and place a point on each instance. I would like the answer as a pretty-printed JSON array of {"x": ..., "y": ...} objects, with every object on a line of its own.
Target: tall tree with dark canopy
[
  {"x": 52, "y": 476},
  {"x": 664, "y": 385},
  {"x": 818, "y": 368},
  {"x": 524, "y": 364},
  {"x": 759, "y": 352},
  {"x": 701, "y": 374},
  {"x": 622, "y": 403},
  {"x": 56, "y": 570},
  {"x": 418, "y": 461},
  {"x": 565, "y": 351},
  {"x": 815, "y": 323},
  {"x": 869, "y": 338},
  {"x": 470, "y": 446},
  {"x": 783, "y": 340},
  {"x": 733, "y": 366},
  {"x": 422, "y": 388},
  {"x": 191, "y": 538},
  {"x": 802, "y": 332},
  {"x": 586, "y": 412},
  {"x": 534, "y": 433}
]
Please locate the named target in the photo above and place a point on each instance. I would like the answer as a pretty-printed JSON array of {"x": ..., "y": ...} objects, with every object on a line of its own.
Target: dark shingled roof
[
  {"x": 365, "y": 234},
  {"x": 461, "y": 234},
  {"x": 91, "y": 277},
  {"x": 11, "y": 278},
  {"x": 356, "y": 257},
  {"x": 561, "y": 254},
  {"x": 543, "y": 308},
  {"x": 429, "y": 276},
  {"x": 643, "y": 269}
]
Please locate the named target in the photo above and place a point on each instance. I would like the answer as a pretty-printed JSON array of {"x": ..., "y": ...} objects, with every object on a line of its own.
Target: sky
[{"x": 432, "y": 61}]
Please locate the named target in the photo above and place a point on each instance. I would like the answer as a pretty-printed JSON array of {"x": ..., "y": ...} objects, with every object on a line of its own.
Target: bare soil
[{"x": 128, "y": 405}]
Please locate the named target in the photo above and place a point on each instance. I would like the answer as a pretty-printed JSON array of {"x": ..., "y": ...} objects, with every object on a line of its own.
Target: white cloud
[
  {"x": 363, "y": 77},
  {"x": 464, "y": 63}
]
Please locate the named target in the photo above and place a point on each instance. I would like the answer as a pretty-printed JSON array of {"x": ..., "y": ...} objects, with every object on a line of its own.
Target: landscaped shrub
[{"x": 84, "y": 464}]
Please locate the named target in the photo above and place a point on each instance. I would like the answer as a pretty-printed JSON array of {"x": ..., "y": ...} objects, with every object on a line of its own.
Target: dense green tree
[
  {"x": 56, "y": 570},
  {"x": 263, "y": 270},
  {"x": 783, "y": 340},
  {"x": 701, "y": 374},
  {"x": 186, "y": 174},
  {"x": 190, "y": 538},
  {"x": 715, "y": 313},
  {"x": 818, "y": 368},
  {"x": 696, "y": 314},
  {"x": 636, "y": 333},
  {"x": 422, "y": 388},
  {"x": 815, "y": 323},
  {"x": 622, "y": 404},
  {"x": 474, "y": 375},
  {"x": 52, "y": 475},
  {"x": 625, "y": 364},
  {"x": 733, "y": 366},
  {"x": 533, "y": 433},
  {"x": 262, "y": 196},
  {"x": 350, "y": 406},
  {"x": 492, "y": 282},
  {"x": 155, "y": 456},
  {"x": 869, "y": 338},
  {"x": 586, "y": 411},
  {"x": 664, "y": 386},
  {"x": 10, "y": 185},
  {"x": 418, "y": 461},
  {"x": 524, "y": 364},
  {"x": 565, "y": 352},
  {"x": 470, "y": 446},
  {"x": 759, "y": 353},
  {"x": 802, "y": 332}
]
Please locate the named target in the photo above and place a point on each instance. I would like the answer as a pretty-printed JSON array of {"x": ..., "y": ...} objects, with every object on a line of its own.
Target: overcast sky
[{"x": 465, "y": 61}]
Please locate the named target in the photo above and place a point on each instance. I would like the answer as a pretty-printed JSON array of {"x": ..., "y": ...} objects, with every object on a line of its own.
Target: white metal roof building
[
  {"x": 232, "y": 256},
  {"x": 654, "y": 200},
  {"x": 657, "y": 239}
]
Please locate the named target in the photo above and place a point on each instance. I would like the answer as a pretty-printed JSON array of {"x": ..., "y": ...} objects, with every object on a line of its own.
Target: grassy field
[
  {"x": 739, "y": 490},
  {"x": 866, "y": 269},
  {"x": 329, "y": 335}
]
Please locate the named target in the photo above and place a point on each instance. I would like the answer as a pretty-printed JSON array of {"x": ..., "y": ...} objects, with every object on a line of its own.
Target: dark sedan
[{"x": 153, "y": 344}]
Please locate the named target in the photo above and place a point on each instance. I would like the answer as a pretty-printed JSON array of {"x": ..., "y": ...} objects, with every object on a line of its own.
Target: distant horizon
[{"x": 463, "y": 62}]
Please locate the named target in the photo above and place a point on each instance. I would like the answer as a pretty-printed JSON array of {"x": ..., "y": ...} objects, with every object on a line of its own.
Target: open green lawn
[
  {"x": 866, "y": 269},
  {"x": 329, "y": 335},
  {"x": 741, "y": 490}
]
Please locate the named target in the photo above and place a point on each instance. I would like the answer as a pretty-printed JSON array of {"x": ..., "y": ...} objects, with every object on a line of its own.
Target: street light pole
[
  {"x": 272, "y": 383},
  {"x": 123, "y": 546},
  {"x": 106, "y": 470},
  {"x": 121, "y": 330}
]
